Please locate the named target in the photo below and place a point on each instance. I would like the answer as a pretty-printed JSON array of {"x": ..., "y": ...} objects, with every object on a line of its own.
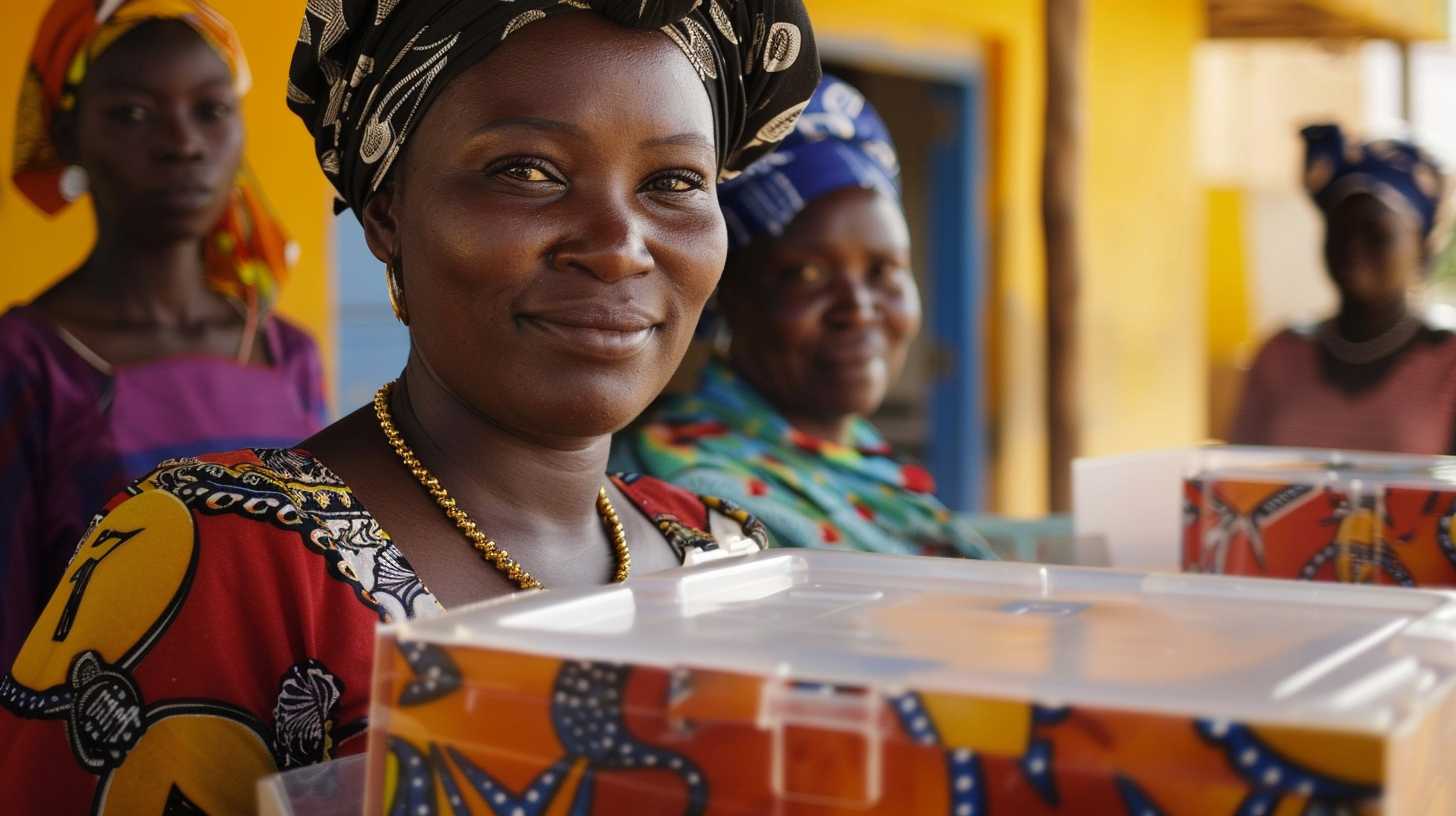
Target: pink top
[{"x": 1406, "y": 404}]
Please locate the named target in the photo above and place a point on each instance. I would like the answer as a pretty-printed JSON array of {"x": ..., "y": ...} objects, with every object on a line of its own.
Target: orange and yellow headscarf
[{"x": 248, "y": 254}]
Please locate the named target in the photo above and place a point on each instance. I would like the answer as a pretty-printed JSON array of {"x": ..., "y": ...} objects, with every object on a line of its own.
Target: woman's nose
[
  {"x": 180, "y": 139},
  {"x": 854, "y": 300},
  {"x": 608, "y": 242}
]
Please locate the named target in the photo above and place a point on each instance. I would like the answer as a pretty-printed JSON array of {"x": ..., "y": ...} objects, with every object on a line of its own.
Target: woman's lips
[
  {"x": 853, "y": 353},
  {"x": 184, "y": 198},
  {"x": 601, "y": 333}
]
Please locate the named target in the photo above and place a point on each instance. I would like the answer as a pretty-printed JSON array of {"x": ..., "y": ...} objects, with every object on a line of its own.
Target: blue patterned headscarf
[
  {"x": 840, "y": 142},
  {"x": 1398, "y": 173}
]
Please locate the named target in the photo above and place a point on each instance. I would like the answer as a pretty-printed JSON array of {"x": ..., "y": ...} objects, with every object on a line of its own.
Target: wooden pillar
[{"x": 1061, "y": 193}]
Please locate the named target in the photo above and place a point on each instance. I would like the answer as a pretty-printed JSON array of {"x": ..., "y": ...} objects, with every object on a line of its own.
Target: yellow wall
[
  {"x": 1230, "y": 331},
  {"x": 39, "y": 249},
  {"x": 1142, "y": 341},
  {"x": 1144, "y": 229}
]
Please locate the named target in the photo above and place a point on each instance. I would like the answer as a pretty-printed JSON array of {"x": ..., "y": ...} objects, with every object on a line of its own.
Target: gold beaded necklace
[{"x": 491, "y": 552}]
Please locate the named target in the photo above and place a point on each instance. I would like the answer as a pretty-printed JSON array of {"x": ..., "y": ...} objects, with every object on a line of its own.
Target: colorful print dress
[
  {"x": 725, "y": 439},
  {"x": 217, "y": 624}
]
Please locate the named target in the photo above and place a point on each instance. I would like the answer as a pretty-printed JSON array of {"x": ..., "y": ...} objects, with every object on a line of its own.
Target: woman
[
  {"x": 821, "y": 306},
  {"x": 160, "y": 344},
  {"x": 539, "y": 181},
  {"x": 1375, "y": 376}
]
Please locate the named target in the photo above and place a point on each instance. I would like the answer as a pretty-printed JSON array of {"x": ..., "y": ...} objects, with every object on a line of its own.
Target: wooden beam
[
  {"x": 1061, "y": 195},
  {"x": 1324, "y": 19}
]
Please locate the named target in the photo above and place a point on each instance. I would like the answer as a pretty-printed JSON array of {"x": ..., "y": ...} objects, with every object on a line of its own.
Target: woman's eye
[
  {"x": 128, "y": 114},
  {"x": 807, "y": 275},
  {"x": 216, "y": 110},
  {"x": 889, "y": 273},
  {"x": 527, "y": 173},
  {"x": 677, "y": 183}
]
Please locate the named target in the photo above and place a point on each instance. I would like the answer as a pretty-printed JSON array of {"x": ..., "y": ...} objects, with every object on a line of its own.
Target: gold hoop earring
[{"x": 396, "y": 292}]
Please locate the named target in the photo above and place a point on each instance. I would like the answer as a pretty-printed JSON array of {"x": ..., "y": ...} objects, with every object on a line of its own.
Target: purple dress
[{"x": 75, "y": 431}]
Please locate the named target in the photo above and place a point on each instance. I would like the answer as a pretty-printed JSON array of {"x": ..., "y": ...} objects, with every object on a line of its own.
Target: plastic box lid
[
  {"x": 1331, "y": 468},
  {"x": 1354, "y": 658}
]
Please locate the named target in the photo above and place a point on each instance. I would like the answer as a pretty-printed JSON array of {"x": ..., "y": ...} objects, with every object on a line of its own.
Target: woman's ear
[
  {"x": 381, "y": 224},
  {"x": 63, "y": 136}
]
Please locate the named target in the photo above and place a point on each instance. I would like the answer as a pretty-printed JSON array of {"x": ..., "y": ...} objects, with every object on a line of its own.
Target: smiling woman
[
  {"x": 603, "y": 240},
  {"x": 540, "y": 182}
]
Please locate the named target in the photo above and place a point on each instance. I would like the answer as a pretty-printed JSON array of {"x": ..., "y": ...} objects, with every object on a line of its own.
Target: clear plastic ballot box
[
  {"x": 810, "y": 682},
  {"x": 333, "y": 788}
]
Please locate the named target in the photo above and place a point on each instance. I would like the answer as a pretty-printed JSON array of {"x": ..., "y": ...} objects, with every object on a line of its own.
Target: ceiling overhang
[{"x": 1406, "y": 20}]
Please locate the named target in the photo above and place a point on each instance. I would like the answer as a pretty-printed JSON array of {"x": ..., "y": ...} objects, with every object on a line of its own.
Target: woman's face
[
  {"x": 823, "y": 317},
  {"x": 1375, "y": 254},
  {"x": 556, "y": 226},
  {"x": 158, "y": 131}
]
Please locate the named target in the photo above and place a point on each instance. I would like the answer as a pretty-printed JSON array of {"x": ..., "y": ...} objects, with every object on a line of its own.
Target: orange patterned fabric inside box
[
  {"x": 1398, "y": 536},
  {"x": 459, "y": 730}
]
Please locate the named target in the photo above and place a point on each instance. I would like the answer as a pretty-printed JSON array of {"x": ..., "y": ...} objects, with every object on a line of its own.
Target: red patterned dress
[{"x": 217, "y": 624}]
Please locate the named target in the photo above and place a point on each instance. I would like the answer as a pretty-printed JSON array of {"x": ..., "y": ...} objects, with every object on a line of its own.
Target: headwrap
[
  {"x": 1400, "y": 174},
  {"x": 365, "y": 71},
  {"x": 840, "y": 142},
  {"x": 247, "y": 255}
]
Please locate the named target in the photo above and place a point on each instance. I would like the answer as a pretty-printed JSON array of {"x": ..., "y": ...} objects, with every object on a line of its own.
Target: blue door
[{"x": 957, "y": 455}]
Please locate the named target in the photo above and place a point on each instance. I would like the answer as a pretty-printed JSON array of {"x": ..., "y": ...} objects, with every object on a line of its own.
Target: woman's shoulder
[
  {"x": 1292, "y": 348},
  {"x": 286, "y": 500},
  {"x": 41, "y": 378},
  {"x": 296, "y": 471},
  {"x": 1440, "y": 338},
  {"x": 29, "y": 343},
  {"x": 1299, "y": 337},
  {"x": 697, "y": 527},
  {"x": 211, "y": 616},
  {"x": 19, "y": 324},
  {"x": 293, "y": 340}
]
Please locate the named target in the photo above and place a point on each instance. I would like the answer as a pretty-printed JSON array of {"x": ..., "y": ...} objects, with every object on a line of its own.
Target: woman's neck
[
  {"x": 1359, "y": 322},
  {"x": 161, "y": 284},
  {"x": 546, "y": 483},
  {"x": 828, "y": 429}
]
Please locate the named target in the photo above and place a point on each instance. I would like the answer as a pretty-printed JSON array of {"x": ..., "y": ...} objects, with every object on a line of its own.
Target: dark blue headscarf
[
  {"x": 840, "y": 142},
  {"x": 1398, "y": 173}
]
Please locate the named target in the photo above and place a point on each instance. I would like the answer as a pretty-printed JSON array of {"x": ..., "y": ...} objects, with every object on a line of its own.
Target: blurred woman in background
[
  {"x": 820, "y": 306},
  {"x": 1375, "y": 376},
  {"x": 160, "y": 343}
]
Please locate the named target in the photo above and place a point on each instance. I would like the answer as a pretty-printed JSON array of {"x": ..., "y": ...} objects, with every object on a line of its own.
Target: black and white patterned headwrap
[{"x": 365, "y": 71}]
